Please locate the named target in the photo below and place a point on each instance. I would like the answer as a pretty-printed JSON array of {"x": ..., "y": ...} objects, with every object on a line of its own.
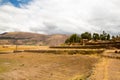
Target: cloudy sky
[{"x": 60, "y": 16}]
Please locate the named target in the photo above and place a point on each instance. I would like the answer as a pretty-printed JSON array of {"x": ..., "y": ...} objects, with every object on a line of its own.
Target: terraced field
[{"x": 36, "y": 65}]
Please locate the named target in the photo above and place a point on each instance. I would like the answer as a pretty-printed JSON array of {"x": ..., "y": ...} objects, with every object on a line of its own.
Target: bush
[{"x": 116, "y": 51}]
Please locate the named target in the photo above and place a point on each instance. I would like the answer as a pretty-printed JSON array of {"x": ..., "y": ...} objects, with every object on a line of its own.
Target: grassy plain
[
  {"x": 47, "y": 66},
  {"x": 21, "y": 47}
]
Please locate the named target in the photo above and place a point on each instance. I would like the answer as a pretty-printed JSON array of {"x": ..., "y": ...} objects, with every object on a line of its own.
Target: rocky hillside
[{"x": 26, "y": 38}]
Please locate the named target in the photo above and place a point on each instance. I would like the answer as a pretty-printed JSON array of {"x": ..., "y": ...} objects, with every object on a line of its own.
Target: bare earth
[
  {"x": 107, "y": 69},
  {"x": 37, "y": 66}
]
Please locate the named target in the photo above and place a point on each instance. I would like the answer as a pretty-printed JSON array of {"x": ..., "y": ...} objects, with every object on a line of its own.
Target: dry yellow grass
[
  {"x": 20, "y": 47},
  {"x": 107, "y": 69},
  {"x": 44, "y": 66},
  {"x": 38, "y": 66}
]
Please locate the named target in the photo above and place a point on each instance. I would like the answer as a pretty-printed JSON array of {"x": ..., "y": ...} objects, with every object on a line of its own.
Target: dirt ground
[
  {"x": 44, "y": 66},
  {"x": 107, "y": 68},
  {"x": 38, "y": 66}
]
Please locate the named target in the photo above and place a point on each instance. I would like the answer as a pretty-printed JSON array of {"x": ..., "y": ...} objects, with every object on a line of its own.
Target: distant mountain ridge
[{"x": 27, "y": 38}]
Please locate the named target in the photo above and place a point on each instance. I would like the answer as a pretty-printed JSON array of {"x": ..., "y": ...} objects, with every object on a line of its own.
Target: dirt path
[
  {"x": 100, "y": 71},
  {"x": 106, "y": 69}
]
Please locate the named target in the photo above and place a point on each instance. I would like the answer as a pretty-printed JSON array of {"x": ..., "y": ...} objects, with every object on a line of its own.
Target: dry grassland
[
  {"x": 108, "y": 68},
  {"x": 21, "y": 47},
  {"x": 36, "y": 66},
  {"x": 50, "y": 66}
]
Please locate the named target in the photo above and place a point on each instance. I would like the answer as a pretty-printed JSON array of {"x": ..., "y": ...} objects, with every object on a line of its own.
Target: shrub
[{"x": 116, "y": 51}]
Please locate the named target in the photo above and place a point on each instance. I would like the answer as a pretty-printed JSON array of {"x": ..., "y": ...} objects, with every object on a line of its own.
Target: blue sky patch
[{"x": 16, "y": 3}]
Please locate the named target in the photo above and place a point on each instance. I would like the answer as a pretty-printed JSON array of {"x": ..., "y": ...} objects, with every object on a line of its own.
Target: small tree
[
  {"x": 86, "y": 35},
  {"x": 67, "y": 40},
  {"x": 74, "y": 38},
  {"x": 96, "y": 36},
  {"x": 113, "y": 37},
  {"x": 104, "y": 36},
  {"x": 108, "y": 37}
]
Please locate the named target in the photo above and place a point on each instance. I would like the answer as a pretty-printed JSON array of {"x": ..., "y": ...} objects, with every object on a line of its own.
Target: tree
[
  {"x": 86, "y": 35},
  {"x": 104, "y": 36},
  {"x": 96, "y": 36},
  {"x": 74, "y": 38},
  {"x": 67, "y": 40},
  {"x": 108, "y": 37},
  {"x": 113, "y": 37}
]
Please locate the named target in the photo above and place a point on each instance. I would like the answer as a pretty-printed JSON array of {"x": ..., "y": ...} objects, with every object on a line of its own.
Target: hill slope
[{"x": 31, "y": 38}]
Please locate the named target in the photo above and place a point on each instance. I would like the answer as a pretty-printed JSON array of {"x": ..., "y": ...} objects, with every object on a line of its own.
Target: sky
[{"x": 60, "y": 16}]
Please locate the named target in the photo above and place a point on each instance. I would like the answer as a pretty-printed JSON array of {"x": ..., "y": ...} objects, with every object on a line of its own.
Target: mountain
[{"x": 27, "y": 38}]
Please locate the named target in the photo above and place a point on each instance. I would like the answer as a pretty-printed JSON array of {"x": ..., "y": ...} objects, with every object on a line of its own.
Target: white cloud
[{"x": 62, "y": 16}]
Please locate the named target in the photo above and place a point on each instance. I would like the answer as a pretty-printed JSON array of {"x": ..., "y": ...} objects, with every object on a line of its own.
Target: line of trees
[
  {"x": 116, "y": 38},
  {"x": 74, "y": 38}
]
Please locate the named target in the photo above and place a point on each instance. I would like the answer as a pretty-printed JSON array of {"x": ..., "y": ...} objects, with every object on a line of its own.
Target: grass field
[
  {"x": 36, "y": 66},
  {"x": 21, "y": 47},
  {"x": 52, "y": 66}
]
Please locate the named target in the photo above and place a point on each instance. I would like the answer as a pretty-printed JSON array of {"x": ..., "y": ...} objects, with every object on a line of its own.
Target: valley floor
[
  {"x": 48, "y": 66},
  {"x": 37, "y": 66}
]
